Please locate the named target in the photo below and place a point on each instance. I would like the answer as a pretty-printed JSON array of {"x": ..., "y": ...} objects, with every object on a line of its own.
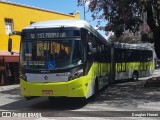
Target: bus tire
[
  {"x": 96, "y": 86},
  {"x": 135, "y": 76}
]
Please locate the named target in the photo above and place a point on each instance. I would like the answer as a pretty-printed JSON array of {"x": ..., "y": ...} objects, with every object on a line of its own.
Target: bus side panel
[
  {"x": 91, "y": 76},
  {"x": 78, "y": 87}
]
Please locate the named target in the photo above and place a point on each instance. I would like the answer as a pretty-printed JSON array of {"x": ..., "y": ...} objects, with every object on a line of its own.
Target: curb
[{"x": 154, "y": 81}]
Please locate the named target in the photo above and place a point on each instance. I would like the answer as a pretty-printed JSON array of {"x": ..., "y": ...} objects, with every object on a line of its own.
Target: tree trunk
[
  {"x": 151, "y": 21},
  {"x": 156, "y": 36}
]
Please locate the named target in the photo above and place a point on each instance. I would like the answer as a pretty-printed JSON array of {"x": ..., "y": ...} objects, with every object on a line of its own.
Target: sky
[{"x": 64, "y": 6}]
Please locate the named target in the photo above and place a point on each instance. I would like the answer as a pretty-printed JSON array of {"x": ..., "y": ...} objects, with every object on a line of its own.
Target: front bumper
[{"x": 74, "y": 88}]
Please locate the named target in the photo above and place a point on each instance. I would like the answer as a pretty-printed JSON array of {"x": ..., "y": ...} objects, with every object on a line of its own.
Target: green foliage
[
  {"x": 120, "y": 14},
  {"x": 126, "y": 37},
  {"x": 125, "y": 15},
  {"x": 147, "y": 38}
]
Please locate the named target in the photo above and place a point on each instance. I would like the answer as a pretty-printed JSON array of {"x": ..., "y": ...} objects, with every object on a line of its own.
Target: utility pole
[{"x": 84, "y": 9}]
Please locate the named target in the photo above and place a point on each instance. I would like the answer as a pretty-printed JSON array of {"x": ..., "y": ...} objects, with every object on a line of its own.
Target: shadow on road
[
  {"x": 128, "y": 93},
  {"x": 43, "y": 104}
]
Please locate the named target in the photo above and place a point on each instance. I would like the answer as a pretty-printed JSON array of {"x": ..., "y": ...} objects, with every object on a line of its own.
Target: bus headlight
[{"x": 75, "y": 75}]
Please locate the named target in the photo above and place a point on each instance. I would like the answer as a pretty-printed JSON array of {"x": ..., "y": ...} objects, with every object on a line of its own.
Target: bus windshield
[{"x": 51, "y": 55}]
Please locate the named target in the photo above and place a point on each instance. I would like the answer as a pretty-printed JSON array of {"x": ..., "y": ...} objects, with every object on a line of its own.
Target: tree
[
  {"x": 126, "y": 37},
  {"x": 128, "y": 15}
]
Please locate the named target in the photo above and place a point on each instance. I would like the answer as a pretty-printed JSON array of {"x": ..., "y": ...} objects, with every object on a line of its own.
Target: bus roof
[
  {"x": 59, "y": 23},
  {"x": 142, "y": 46},
  {"x": 67, "y": 23}
]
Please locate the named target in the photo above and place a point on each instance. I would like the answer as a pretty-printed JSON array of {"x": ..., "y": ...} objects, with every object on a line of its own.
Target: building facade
[{"x": 14, "y": 17}]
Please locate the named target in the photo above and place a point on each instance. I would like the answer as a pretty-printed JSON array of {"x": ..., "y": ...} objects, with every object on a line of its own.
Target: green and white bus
[
  {"x": 69, "y": 58},
  {"x": 131, "y": 61}
]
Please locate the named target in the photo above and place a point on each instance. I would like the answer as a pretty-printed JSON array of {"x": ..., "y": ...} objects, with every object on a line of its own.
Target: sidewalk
[
  {"x": 157, "y": 72},
  {"x": 8, "y": 87},
  {"x": 153, "y": 81}
]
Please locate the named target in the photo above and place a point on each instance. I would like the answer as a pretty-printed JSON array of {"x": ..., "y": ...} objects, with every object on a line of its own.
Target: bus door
[
  {"x": 120, "y": 64},
  {"x": 88, "y": 55}
]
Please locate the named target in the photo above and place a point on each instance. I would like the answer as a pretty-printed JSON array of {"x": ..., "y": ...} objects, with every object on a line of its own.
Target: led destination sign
[
  {"x": 48, "y": 35},
  {"x": 51, "y": 34}
]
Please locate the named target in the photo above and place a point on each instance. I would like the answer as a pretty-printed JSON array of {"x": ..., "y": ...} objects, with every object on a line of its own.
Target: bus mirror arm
[{"x": 10, "y": 45}]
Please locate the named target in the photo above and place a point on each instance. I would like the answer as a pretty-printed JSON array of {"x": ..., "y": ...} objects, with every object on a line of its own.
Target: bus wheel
[
  {"x": 135, "y": 76},
  {"x": 96, "y": 87}
]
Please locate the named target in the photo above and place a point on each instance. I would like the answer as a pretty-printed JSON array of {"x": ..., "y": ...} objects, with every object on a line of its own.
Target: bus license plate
[{"x": 47, "y": 92}]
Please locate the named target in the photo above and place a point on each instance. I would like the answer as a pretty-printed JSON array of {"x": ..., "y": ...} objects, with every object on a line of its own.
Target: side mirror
[
  {"x": 91, "y": 49},
  {"x": 90, "y": 46},
  {"x": 10, "y": 45}
]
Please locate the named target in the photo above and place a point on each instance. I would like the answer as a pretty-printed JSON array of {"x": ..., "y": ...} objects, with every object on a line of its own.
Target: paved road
[{"x": 113, "y": 101}]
